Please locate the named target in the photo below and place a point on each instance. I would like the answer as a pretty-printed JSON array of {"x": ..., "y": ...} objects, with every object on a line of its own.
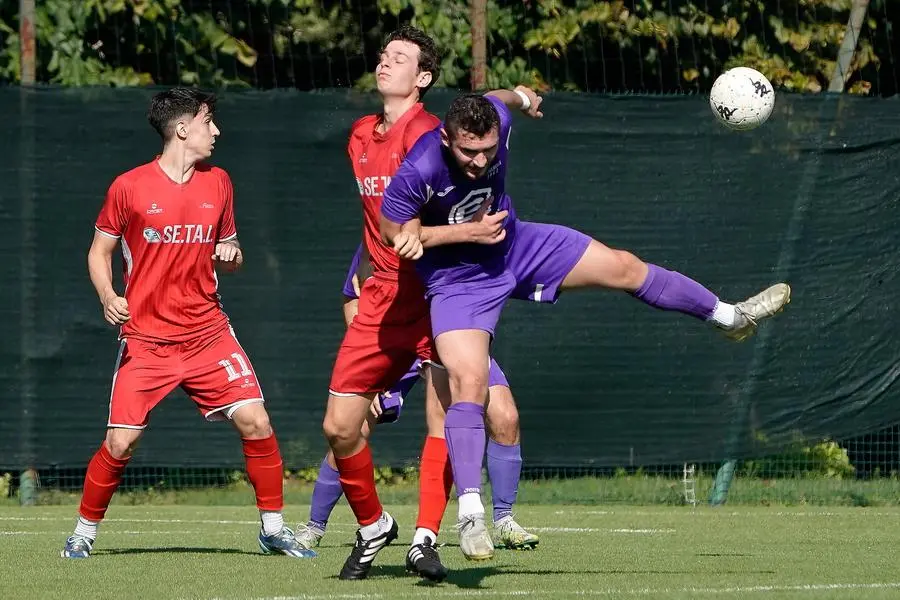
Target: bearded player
[
  {"x": 504, "y": 458},
  {"x": 456, "y": 174},
  {"x": 392, "y": 327},
  {"x": 174, "y": 218}
]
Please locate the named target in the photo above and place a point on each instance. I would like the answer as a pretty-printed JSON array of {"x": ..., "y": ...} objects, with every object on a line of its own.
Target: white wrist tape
[{"x": 526, "y": 102}]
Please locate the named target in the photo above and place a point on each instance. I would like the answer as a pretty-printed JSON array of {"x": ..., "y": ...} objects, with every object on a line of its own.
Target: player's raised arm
[{"x": 522, "y": 98}]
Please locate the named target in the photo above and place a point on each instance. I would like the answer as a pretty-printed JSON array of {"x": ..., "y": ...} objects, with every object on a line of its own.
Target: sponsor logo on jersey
[
  {"x": 154, "y": 209},
  {"x": 182, "y": 234},
  {"x": 152, "y": 236},
  {"x": 374, "y": 186}
]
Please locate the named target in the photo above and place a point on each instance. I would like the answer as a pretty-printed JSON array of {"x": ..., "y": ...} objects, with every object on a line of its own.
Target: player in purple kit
[
  {"x": 455, "y": 175},
  {"x": 504, "y": 459}
]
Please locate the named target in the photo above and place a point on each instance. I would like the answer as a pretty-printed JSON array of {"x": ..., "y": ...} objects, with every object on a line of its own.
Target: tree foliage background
[{"x": 621, "y": 45}]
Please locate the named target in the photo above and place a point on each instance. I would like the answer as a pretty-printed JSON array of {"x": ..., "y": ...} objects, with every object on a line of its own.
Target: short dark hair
[
  {"x": 168, "y": 106},
  {"x": 429, "y": 56},
  {"x": 473, "y": 113}
]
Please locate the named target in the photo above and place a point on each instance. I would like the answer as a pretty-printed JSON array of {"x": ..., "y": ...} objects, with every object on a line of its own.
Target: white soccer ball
[{"x": 742, "y": 98}]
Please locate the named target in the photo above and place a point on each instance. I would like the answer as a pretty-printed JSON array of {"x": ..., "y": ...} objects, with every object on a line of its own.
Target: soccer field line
[
  {"x": 710, "y": 512},
  {"x": 148, "y": 532},
  {"x": 710, "y": 591},
  {"x": 331, "y": 529}
]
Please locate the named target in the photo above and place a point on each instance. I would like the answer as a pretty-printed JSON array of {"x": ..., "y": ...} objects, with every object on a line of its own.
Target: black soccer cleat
[
  {"x": 423, "y": 560},
  {"x": 360, "y": 560}
]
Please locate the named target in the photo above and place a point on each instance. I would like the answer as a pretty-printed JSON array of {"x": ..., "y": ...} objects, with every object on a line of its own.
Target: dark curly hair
[{"x": 473, "y": 113}]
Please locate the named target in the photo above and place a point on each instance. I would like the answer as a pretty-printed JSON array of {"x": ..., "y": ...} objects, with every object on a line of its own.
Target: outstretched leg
[{"x": 601, "y": 266}]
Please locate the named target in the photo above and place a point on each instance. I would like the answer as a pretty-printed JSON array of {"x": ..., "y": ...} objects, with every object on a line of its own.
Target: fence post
[
  {"x": 478, "y": 18},
  {"x": 848, "y": 46},
  {"x": 26, "y": 41}
]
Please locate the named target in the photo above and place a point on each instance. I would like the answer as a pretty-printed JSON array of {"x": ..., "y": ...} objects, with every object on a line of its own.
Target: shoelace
[{"x": 469, "y": 521}]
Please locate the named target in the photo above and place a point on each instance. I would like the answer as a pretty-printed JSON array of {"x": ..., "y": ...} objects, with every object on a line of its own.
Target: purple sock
[
  {"x": 504, "y": 465},
  {"x": 464, "y": 430},
  {"x": 670, "y": 290},
  {"x": 325, "y": 495}
]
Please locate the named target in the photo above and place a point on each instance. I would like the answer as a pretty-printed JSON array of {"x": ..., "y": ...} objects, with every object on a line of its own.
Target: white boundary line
[
  {"x": 756, "y": 589},
  {"x": 340, "y": 525}
]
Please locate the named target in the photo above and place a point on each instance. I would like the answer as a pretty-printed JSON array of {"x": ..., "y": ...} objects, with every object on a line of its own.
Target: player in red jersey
[
  {"x": 174, "y": 218},
  {"x": 392, "y": 327}
]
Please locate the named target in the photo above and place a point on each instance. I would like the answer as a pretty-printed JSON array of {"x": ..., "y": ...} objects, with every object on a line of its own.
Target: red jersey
[
  {"x": 375, "y": 158},
  {"x": 169, "y": 233}
]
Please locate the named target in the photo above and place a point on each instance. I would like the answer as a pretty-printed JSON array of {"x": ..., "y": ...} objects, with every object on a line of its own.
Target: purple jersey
[
  {"x": 430, "y": 185},
  {"x": 348, "y": 290}
]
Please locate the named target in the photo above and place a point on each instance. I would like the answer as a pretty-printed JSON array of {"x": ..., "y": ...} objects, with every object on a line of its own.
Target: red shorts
[
  {"x": 213, "y": 370},
  {"x": 391, "y": 330}
]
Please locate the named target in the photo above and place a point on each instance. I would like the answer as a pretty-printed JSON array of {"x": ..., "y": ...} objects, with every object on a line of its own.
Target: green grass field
[{"x": 205, "y": 552}]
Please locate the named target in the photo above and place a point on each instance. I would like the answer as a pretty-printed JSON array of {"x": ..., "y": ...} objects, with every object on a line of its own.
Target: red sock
[
  {"x": 266, "y": 472},
  {"x": 435, "y": 481},
  {"x": 104, "y": 474},
  {"x": 358, "y": 482}
]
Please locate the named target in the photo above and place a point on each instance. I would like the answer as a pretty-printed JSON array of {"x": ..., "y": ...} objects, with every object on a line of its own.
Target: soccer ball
[{"x": 742, "y": 98}]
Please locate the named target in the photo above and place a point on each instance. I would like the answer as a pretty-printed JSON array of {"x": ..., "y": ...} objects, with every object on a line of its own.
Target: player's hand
[
  {"x": 115, "y": 310},
  {"x": 228, "y": 254},
  {"x": 408, "y": 245},
  {"x": 534, "y": 110},
  {"x": 355, "y": 282},
  {"x": 386, "y": 407},
  {"x": 485, "y": 228},
  {"x": 375, "y": 408}
]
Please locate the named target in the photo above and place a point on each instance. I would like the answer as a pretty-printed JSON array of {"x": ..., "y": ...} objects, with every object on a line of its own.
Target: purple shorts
[
  {"x": 536, "y": 264},
  {"x": 348, "y": 290},
  {"x": 496, "y": 376}
]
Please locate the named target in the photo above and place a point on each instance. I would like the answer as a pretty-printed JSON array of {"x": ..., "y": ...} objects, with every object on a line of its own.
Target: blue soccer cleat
[
  {"x": 77, "y": 546},
  {"x": 283, "y": 542}
]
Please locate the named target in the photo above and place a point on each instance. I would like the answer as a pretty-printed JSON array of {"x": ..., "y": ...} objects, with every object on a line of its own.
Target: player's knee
[
  {"x": 252, "y": 421},
  {"x": 632, "y": 270},
  {"x": 503, "y": 421},
  {"x": 469, "y": 385},
  {"x": 121, "y": 446},
  {"x": 257, "y": 427},
  {"x": 340, "y": 434}
]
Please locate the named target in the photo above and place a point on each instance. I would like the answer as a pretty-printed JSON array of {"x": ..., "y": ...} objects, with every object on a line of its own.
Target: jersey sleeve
[
  {"x": 406, "y": 195},
  {"x": 227, "y": 228},
  {"x": 506, "y": 118},
  {"x": 416, "y": 129},
  {"x": 113, "y": 216}
]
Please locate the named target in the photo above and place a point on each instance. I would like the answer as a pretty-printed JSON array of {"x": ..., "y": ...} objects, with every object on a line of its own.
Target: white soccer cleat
[
  {"x": 309, "y": 536},
  {"x": 511, "y": 535},
  {"x": 474, "y": 539},
  {"x": 751, "y": 311}
]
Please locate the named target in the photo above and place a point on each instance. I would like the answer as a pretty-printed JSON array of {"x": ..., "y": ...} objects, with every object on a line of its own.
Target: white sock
[
  {"x": 272, "y": 521},
  {"x": 723, "y": 315},
  {"x": 373, "y": 530},
  {"x": 421, "y": 534},
  {"x": 470, "y": 504},
  {"x": 86, "y": 528}
]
